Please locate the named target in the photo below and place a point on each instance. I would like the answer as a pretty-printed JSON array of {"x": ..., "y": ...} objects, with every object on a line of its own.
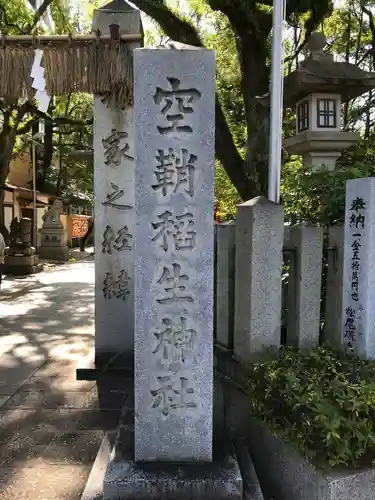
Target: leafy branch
[{"x": 5, "y": 23}]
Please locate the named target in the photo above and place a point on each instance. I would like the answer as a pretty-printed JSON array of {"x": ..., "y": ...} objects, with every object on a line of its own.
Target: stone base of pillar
[
  {"x": 125, "y": 479},
  {"x": 54, "y": 253},
  {"x": 21, "y": 265}
]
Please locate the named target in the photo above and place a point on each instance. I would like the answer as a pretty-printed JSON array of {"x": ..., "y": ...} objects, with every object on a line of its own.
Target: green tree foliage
[
  {"x": 226, "y": 195},
  {"x": 65, "y": 159},
  {"x": 318, "y": 196},
  {"x": 20, "y": 119},
  {"x": 239, "y": 31},
  {"x": 242, "y": 37}
]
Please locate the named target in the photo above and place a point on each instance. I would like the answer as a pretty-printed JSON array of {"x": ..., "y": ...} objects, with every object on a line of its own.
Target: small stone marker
[
  {"x": 54, "y": 236},
  {"x": 358, "y": 318},
  {"x": 174, "y": 102}
]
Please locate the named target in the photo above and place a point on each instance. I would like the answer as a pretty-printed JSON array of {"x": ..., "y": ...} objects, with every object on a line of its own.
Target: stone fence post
[
  {"x": 304, "y": 291},
  {"x": 334, "y": 291},
  {"x": 225, "y": 282},
  {"x": 259, "y": 245}
]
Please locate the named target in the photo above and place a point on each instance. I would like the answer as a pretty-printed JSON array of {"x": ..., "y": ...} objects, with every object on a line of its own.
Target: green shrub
[
  {"x": 318, "y": 195},
  {"x": 319, "y": 403}
]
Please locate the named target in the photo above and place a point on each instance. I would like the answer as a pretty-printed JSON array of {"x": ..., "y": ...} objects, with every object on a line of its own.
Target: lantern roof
[
  {"x": 118, "y": 6},
  {"x": 319, "y": 73}
]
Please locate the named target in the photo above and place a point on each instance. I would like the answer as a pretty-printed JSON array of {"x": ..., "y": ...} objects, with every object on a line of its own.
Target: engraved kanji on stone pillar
[
  {"x": 174, "y": 233},
  {"x": 114, "y": 166}
]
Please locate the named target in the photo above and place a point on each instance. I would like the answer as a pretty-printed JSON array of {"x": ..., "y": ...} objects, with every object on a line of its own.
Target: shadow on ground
[{"x": 51, "y": 425}]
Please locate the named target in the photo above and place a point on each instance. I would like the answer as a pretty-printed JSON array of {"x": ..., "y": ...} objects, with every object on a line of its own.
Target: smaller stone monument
[
  {"x": 20, "y": 256},
  {"x": 358, "y": 309},
  {"x": 54, "y": 241}
]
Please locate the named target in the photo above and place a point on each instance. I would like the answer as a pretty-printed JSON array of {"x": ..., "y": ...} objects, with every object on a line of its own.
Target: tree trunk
[
  {"x": 7, "y": 141},
  {"x": 48, "y": 150},
  {"x": 60, "y": 175}
]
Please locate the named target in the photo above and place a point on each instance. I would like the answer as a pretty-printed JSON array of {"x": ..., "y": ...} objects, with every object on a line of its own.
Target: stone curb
[
  {"x": 251, "y": 486},
  {"x": 94, "y": 485}
]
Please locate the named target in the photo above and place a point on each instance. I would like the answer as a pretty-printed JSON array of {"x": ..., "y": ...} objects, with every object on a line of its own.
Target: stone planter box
[
  {"x": 286, "y": 475},
  {"x": 282, "y": 472}
]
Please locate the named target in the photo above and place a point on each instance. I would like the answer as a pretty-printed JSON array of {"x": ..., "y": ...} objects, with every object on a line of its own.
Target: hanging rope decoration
[{"x": 93, "y": 67}]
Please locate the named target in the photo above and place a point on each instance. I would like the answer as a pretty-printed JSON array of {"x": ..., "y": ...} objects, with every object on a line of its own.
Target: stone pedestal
[
  {"x": 114, "y": 163},
  {"x": 54, "y": 245},
  {"x": 20, "y": 265},
  {"x": 20, "y": 258},
  {"x": 125, "y": 479},
  {"x": 174, "y": 102},
  {"x": 358, "y": 310},
  {"x": 320, "y": 148}
]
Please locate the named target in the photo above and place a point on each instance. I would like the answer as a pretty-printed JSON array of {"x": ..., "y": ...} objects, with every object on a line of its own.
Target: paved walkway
[{"x": 50, "y": 424}]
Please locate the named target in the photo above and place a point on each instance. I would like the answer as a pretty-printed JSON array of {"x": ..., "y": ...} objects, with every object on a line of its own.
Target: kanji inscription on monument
[
  {"x": 173, "y": 250},
  {"x": 358, "y": 316},
  {"x": 174, "y": 172},
  {"x": 114, "y": 228},
  {"x": 116, "y": 148},
  {"x": 175, "y": 103},
  {"x": 112, "y": 198}
]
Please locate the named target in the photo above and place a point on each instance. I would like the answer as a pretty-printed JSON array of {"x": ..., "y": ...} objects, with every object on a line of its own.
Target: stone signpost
[
  {"x": 114, "y": 205},
  {"x": 358, "y": 318},
  {"x": 174, "y": 98}
]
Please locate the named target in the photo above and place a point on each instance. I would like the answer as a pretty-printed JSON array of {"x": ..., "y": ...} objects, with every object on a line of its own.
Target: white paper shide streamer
[{"x": 39, "y": 82}]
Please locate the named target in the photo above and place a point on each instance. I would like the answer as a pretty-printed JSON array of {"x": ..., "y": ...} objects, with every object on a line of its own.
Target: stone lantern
[{"x": 317, "y": 89}]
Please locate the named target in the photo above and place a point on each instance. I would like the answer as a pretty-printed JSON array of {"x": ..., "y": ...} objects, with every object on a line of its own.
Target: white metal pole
[
  {"x": 277, "y": 78},
  {"x": 35, "y": 217}
]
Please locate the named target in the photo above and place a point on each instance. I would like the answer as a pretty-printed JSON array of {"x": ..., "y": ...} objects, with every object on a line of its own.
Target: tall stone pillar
[
  {"x": 174, "y": 106},
  {"x": 114, "y": 167},
  {"x": 174, "y": 101}
]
